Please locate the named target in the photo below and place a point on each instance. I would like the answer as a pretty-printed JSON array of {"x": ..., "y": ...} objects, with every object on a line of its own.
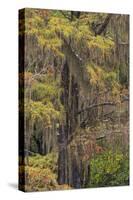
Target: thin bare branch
[{"x": 96, "y": 105}]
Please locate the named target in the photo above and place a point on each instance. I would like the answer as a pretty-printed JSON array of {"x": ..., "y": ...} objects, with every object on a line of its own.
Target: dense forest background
[{"x": 74, "y": 99}]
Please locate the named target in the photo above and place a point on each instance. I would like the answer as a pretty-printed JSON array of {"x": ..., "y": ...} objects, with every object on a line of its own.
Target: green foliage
[
  {"x": 110, "y": 169},
  {"x": 41, "y": 173},
  {"x": 47, "y": 89},
  {"x": 61, "y": 25},
  {"x": 96, "y": 75},
  {"x": 45, "y": 34},
  {"x": 101, "y": 43},
  {"x": 55, "y": 27},
  {"x": 40, "y": 179},
  {"x": 104, "y": 79},
  {"x": 49, "y": 161},
  {"x": 100, "y": 76},
  {"x": 44, "y": 105},
  {"x": 37, "y": 111}
]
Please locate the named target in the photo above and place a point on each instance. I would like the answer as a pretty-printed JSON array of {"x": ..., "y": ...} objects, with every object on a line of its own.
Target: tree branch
[
  {"x": 96, "y": 105},
  {"x": 100, "y": 28},
  {"x": 66, "y": 16}
]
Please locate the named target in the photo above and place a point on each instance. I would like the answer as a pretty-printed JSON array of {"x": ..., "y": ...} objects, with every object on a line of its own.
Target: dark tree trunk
[
  {"x": 62, "y": 156},
  {"x": 76, "y": 182},
  {"x": 64, "y": 128},
  {"x": 70, "y": 100}
]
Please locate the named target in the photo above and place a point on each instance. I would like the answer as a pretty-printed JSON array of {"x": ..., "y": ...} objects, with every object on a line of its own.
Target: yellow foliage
[
  {"x": 61, "y": 26},
  {"x": 101, "y": 43},
  {"x": 37, "y": 111},
  {"x": 96, "y": 75}
]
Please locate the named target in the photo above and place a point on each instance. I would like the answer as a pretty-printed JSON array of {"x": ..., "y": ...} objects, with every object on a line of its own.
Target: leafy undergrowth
[
  {"x": 110, "y": 169},
  {"x": 49, "y": 161},
  {"x": 41, "y": 174},
  {"x": 42, "y": 180}
]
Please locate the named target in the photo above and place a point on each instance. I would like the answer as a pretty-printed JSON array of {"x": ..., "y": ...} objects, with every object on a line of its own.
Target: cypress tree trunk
[
  {"x": 70, "y": 99},
  {"x": 64, "y": 128},
  {"x": 62, "y": 159}
]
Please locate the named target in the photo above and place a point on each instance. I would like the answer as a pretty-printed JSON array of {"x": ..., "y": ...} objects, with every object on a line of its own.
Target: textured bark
[
  {"x": 68, "y": 168},
  {"x": 103, "y": 26},
  {"x": 69, "y": 99},
  {"x": 62, "y": 156},
  {"x": 64, "y": 128},
  {"x": 76, "y": 182}
]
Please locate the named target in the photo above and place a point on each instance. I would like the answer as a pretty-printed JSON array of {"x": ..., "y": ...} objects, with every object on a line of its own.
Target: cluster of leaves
[
  {"x": 55, "y": 27},
  {"x": 99, "y": 76},
  {"x": 44, "y": 105},
  {"x": 41, "y": 174},
  {"x": 101, "y": 43},
  {"x": 37, "y": 111},
  {"x": 45, "y": 34},
  {"x": 104, "y": 80},
  {"x": 47, "y": 89},
  {"x": 40, "y": 179},
  {"x": 49, "y": 161},
  {"x": 109, "y": 169}
]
